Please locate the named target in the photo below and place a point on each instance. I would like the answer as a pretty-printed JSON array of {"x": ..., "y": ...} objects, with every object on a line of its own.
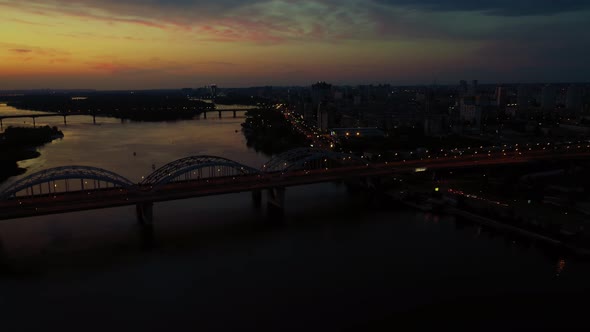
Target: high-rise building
[
  {"x": 523, "y": 97},
  {"x": 473, "y": 89},
  {"x": 213, "y": 90},
  {"x": 323, "y": 117},
  {"x": 321, "y": 92},
  {"x": 501, "y": 96},
  {"x": 429, "y": 101},
  {"x": 381, "y": 92},
  {"x": 548, "y": 97},
  {"x": 573, "y": 100},
  {"x": 463, "y": 87},
  {"x": 356, "y": 100},
  {"x": 470, "y": 111},
  {"x": 436, "y": 124},
  {"x": 321, "y": 96},
  {"x": 308, "y": 112}
]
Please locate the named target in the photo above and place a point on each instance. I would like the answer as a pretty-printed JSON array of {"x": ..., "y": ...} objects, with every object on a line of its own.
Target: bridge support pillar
[
  {"x": 204, "y": 114},
  {"x": 276, "y": 201},
  {"x": 1, "y": 125},
  {"x": 435, "y": 175},
  {"x": 374, "y": 183},
  {"x": 65, "y": 122},
  {"x": 257, "y": 198},
  {"x": 354, "y": 185},
  {"x": 235, "y": 114},
  {"x": 145, "y": 218},
  {"x": 34, "y": 125},
  {"x": 220, "y": 114},
  {"x": 3, "y": 258},
  {"x": 93, "y": 118},
  {"x": 145, "y": 213}
]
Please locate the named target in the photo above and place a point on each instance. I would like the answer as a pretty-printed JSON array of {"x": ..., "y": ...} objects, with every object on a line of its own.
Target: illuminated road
[
  {"x": 23, "y": 207},
  {"x": 318, "y": 140}
]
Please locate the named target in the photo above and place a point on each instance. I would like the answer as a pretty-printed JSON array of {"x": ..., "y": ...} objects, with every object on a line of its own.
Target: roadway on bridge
[{"x": 23, "y": 207}]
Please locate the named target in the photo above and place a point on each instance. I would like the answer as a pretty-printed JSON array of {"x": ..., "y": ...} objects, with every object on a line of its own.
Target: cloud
[
  {"x": 144, "y": 11},
  {"x": 216, "y": 63},
  {"x": 410, "y": 36},
  {"x": 28, "y": 22},
  {"x": 495, "y": 7},
  {"x": 280, "y": 21},
  {"x": 25, "y": 52},
  {"x": 21, "y": 50},
  {"x": 114, "y": 68},
  {"x": 413, "y": 24},
  {"x": 254, "y": 21}
]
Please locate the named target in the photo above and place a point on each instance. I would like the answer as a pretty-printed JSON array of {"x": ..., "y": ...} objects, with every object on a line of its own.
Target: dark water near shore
[{"x": 337, "y": 261}]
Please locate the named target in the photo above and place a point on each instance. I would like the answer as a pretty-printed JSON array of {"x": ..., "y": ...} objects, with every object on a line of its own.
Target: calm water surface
[{"x": 337, "y": 261}]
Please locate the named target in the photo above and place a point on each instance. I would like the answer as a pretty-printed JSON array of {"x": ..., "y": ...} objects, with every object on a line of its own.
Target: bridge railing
[
  {"x": 195, "y": 168},
  {"x": 309, "y": 158},
  {"x": 65, "y": 179},
  {"x": 85, "y": 178}
]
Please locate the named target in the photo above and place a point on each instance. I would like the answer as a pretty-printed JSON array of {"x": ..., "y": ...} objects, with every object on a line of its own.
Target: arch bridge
[
  {"x": 197, "y": 167},
  {"x": 310, "y": 158},
  {"x": 62, "y": 179},
  {"x": 63, "y": 189}
]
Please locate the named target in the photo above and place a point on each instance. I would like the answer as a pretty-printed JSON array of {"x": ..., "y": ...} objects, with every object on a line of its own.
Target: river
[{"x": 338, "y": 260}]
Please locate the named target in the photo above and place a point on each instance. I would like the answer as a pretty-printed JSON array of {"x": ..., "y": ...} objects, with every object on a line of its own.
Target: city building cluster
[{"x": 495, "y": 112}]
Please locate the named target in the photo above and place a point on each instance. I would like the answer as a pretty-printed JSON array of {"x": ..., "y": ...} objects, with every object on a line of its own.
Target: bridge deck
[
  {"x": 42, "y": 115},
  {"x": 23, "y": 207}
]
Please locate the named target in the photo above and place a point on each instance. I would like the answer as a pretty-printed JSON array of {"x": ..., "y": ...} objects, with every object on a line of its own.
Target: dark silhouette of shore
[
  {"x": 18, "y": 144},
  {"x": 136, "y": 107}
]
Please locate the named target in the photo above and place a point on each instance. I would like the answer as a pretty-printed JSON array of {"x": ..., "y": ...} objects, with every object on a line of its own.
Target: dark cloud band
[{"x": 496, "y": 7}]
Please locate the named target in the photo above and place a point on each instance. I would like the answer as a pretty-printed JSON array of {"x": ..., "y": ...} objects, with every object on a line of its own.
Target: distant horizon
[{"x": 448, "y": 84}]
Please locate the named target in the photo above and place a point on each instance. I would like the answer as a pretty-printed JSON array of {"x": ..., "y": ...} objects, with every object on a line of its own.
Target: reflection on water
[
  {"x": 131, "y": 149},
  {"x": 560, "y": 266},
  {"x": 8, "y": 110}
]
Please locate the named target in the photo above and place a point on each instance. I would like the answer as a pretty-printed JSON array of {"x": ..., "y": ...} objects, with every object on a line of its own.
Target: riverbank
[
  {"x": 447, "y": 209},
  {"x": 140, "y": 106},
  {"x": 19, "y": 144},
  {"x": 580, "y": 251}
]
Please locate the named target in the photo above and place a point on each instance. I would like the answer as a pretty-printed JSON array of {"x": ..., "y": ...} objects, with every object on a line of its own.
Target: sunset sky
[{"x": 141, "y": 44}]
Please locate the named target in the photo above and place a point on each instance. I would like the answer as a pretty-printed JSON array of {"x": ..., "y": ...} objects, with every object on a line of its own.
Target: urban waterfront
[{"x": 337, "y": 258}]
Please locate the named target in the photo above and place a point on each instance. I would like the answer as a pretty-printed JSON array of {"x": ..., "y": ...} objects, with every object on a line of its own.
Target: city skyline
[{"x": 170, "y": 44}]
